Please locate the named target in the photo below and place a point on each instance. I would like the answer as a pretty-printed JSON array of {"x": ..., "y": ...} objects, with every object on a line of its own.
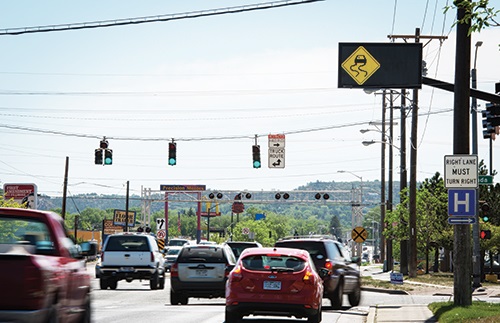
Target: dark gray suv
[
  {"x": 200, "y": 271},
  {"x": 343, "y": 273}
]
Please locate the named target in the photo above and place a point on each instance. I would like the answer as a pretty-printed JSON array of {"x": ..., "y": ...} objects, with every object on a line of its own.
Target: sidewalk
[{"x": 400, "y": 313}]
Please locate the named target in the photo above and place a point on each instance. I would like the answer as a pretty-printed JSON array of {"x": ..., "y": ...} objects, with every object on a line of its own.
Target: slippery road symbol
[
  {"x": 359, "y": 62},
  {"x": 360, "y": 65}
]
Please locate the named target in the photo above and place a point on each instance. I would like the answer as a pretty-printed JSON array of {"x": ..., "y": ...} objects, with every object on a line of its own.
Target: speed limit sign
[{"x": 161, "y": 234}]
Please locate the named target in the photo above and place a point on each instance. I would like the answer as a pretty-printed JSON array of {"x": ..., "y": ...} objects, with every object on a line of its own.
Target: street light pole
[{"x": 476, "y": 252}]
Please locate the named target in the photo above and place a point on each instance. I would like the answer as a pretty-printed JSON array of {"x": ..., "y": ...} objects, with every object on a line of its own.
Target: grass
[{"x": 478, "y": 312}]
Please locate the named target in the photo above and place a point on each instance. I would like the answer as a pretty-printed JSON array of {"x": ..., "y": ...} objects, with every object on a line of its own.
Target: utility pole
[
  {"x": 402, "y": 183},
  {"x": 65, "y": 189},
  {"x": 462, "y": 287},
  {"x": 126, "y": 209},
  {"x": 412, "y": 250},
  {"x": 390, "y": 262},
  {"x": 383, "y": 256}
]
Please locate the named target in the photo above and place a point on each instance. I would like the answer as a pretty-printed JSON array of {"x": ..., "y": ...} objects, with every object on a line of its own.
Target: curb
[{"x": 386, "y": 291}]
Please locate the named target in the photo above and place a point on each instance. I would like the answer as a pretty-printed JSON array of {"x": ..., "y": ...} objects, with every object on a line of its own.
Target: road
[{"x": 135, "y": 302}]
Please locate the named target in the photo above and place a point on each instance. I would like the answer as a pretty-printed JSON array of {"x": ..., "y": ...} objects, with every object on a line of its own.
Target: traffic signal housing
[
  {"x": 485, "y": 212},
  {"x": 108, "y": 156},
  {"x": 256, "y": 156},
  {"x": 172, "y": 153},
  {"x": 491, "y": 120},
  {"x": 485, "y": 234},
  {"x": 98, "y": 156}
]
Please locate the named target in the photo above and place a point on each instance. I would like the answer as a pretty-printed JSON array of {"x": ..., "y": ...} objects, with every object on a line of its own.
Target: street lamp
[
  {"x": 357, "y": 208},
  {"x": 476, "y": 250}
]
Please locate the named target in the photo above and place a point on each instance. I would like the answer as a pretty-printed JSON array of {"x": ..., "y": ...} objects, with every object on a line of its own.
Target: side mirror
[
  {"x": 323, "y": 272},
  {"x": 356, "y": 260},
  {"x": 229, "y": 268}
]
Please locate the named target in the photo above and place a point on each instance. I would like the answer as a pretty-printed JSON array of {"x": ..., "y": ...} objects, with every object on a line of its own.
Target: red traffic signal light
[{"x": 485, "y": 234}]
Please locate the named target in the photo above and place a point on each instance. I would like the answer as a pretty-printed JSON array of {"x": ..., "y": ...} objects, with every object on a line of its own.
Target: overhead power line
[{"x": 149, "y": 19}]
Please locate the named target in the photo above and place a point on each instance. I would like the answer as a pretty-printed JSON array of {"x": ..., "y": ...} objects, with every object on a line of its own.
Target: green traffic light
[
  {"x": 486, "y": 219},
  {"x": 256, "y": 164},
  {"x": 108, "y": 161},
  {"x": 172, "y": 161}
]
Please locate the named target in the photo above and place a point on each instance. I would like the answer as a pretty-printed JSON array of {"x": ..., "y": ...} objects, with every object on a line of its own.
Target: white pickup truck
[{"x": 129, "y": 256}]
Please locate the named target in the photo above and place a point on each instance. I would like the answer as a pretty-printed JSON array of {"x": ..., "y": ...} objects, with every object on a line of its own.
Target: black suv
[
  {"x": 200, "y": 271},
  {"x": 343, "y": 273}
]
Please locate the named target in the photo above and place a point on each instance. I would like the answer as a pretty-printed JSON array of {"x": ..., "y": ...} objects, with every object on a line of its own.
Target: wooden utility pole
[
  {"x": 412, "y": 250},
  {"x": 65, "y": 188},
  {"x": 462, "y": 256}
]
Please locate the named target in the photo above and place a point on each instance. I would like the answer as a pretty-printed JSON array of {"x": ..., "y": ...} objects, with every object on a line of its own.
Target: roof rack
[{"x": 310, "y": 236}]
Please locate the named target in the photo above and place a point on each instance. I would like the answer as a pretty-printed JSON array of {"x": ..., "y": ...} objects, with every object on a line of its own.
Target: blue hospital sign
[{"x": 462, "y": 202}]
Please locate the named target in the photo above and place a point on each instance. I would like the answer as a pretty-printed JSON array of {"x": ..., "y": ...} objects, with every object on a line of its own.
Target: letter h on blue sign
[{"x": 462, "y": 202}]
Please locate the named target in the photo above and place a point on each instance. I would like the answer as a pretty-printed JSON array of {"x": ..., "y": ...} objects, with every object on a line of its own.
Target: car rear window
[
  {"x": 127, "y": 243},
  {"x": 30, "y": 233},
  {"x": 273, "y": 263},
  {"x": 315, "y": 248},
  {"x": 207, "y": 254}
]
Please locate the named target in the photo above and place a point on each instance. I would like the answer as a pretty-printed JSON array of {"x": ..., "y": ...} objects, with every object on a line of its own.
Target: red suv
[{"x": 274, "y": 281}]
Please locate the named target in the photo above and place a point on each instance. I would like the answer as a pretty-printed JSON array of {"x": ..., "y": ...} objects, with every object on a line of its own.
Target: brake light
[
  {"x": 152, "y": 257},
  {"x": 174, "y": 270},
  {"x": 328, "y": 265},
  {"x": 308, "y": 277},
  {"x": 236, "y": 274}
]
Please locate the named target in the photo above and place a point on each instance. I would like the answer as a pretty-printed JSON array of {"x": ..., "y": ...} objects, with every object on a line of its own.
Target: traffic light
[
  {"x": 485, "y": 212},
  {"x": 256, "y": 156},
  {"x": 491, "y": 120},
  {"x": 172, "y": 153},
  {"x": 98, "y": 156},
  {"x": 108, "y": 156},
  {"x": 485, "y": 234}
]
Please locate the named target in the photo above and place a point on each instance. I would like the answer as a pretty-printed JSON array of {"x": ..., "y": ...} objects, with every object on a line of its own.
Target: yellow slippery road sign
[
  {"x": 359, "y": 234},
  {"x": 360, "y": 65}
]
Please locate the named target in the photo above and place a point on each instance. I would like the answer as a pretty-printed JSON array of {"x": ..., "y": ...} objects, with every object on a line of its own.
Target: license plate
[
  {"x": 126, "y": 269},
  {"x": 272, "y": 285},
  {"x": 201, "y": 272}
]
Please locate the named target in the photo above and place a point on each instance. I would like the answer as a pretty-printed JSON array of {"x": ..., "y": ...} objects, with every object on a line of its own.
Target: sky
[{"x": 215, "y": 85}]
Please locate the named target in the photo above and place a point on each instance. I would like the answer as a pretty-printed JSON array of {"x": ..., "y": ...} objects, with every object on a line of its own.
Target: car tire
[
  {"x": 184, "y": 300},
  {"x": 355, "y": 296},
  {"x": 162, "y": 283},
  {"x": 175, "y": 298},
  {"x": 338, "y": 295},
  {"x": 113, "y": 283},
  {"x": 53, "y": 316},
  {"x": 154, "y": 281},
  {"x": 103, "y": 283},
  {"x": 232, "y": 317},
  {"x": 316, "y": 318}
]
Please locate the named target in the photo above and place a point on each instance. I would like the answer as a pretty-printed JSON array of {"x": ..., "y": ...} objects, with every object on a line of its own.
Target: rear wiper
[{"x": 281, "y": 269}]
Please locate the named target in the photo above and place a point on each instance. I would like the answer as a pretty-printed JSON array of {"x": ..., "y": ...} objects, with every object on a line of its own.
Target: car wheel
[
  {"x": 162, "y": 283},
  {"x": 103, "y": 283},
  {"x": 337, "y": 296},
  {"x": 53, "y": 314},
  {"x": 316, "y": 318},
  {"x": 184, "y": 300},
  {"x": 175, "y": 298},
  {"x": 153, "y": 282},
  {"x": 232, "y": 317},
  {"x": 355, "y": 296},
  {"x": 113, "y": 283}
]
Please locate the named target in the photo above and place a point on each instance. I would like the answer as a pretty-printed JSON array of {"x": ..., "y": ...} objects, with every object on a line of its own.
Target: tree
[{"x": 477, "y": 13}]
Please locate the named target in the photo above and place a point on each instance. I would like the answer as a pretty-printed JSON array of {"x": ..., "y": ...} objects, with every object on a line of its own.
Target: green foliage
[
  {"x": 9, "y": 203},
  {"x": 477, "y": 13}
]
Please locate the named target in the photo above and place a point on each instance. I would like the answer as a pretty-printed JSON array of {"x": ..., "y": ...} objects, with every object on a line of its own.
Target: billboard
[
  {"x": 22, "y": 193},
  {"x": 380, "y": 65}
]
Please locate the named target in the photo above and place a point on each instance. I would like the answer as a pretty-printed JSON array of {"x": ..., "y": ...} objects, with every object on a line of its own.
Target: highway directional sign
[{"x": 461, "y": 220}]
